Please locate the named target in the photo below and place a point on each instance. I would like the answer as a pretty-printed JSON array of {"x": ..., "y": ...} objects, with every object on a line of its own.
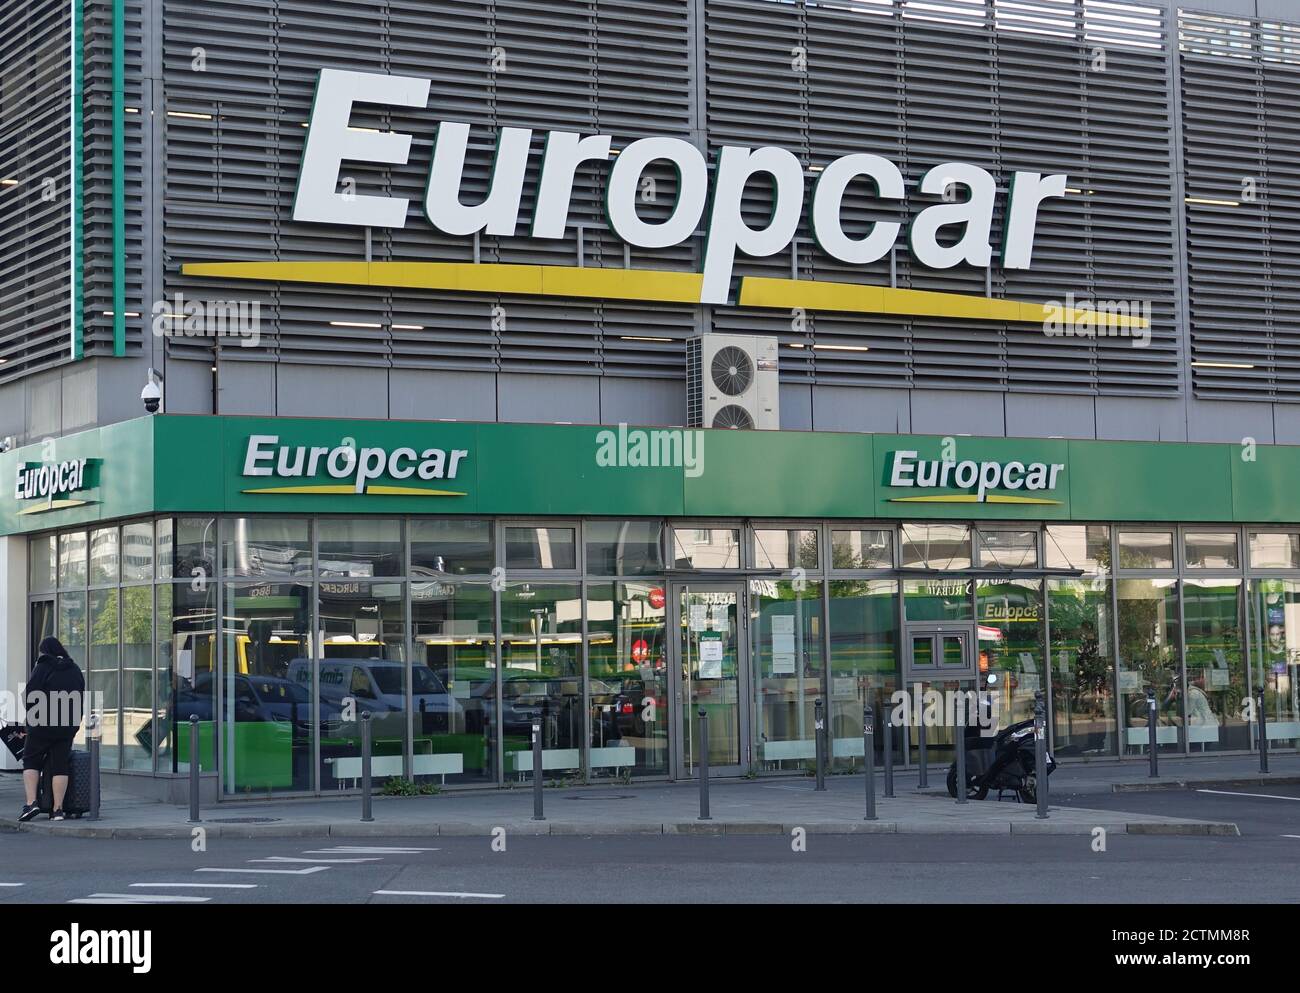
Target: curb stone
[
  {"x": 1189, "y": 828},
  {"x": 1198, "y": 784}
]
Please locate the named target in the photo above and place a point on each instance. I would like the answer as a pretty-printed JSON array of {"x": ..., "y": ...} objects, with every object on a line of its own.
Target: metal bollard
[
  {"x": 1040, "y": 755},
  {"x": 92, "y": 746},
  {"x": 1153, "y": 741},
  {"x": 959, "y": 746},
  {"x": 1263, "y": 733},
  {"x": 889, "y": 759},
  {"x": 923, "y": 770},
  {"x": 819, "y": 727},
  {"x": 704, "y": 765},
  {"x": 537, "y": 771},
  {"x": 365, "y": 767},
  {"x": 194, "y": 769},
  {"x": 869, "y": 759}
]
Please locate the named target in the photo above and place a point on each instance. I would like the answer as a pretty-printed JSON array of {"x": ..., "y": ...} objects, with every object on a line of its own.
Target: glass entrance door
[
  {"x": 939, "y": 661},
  {"x": 711, "y": 677},
  {"x": 41, "y": 627}
]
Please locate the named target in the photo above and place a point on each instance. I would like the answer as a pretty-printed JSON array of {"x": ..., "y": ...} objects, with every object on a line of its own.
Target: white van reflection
[{"x": 378, "y": 685}]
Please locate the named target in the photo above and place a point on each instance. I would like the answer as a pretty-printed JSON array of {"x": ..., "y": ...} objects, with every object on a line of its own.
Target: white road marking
[
  {"x": 200, "y": 886},
  {"x": 276, "y": 872},
  {"x": 462, "y": 896},
  {"x": 7, "y": 885},
  {"x": 141, "y": 898},
  {"x": 290, "y": 858},
  {"x": 1261, "y": 796},
  {"x": 361, "y": 850},
  {"x": 1284, "y": 836}
]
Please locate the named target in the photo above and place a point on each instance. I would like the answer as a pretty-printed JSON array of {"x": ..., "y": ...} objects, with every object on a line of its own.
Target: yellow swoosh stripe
[
  {"x": 351, "y": 490},
  {"x": 857, "y": 298},
  {"x": 52, "y": 505},
  {"x": 526, "y": 280},
  {"x": 972, "y": 498},
  {"x": 652, "y": 285}
]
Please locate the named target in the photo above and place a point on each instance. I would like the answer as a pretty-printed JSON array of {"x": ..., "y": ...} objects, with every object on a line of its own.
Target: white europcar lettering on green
[
  {"x": 909, "y": 471},
  {"x": 48, "y": 481},
  {"x": 965, "y": 224},
  {"x": 265, "y": 456}
]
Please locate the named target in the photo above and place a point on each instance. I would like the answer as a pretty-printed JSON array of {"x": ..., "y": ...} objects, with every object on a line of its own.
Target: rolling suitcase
[{"x": 77, "y": 800}]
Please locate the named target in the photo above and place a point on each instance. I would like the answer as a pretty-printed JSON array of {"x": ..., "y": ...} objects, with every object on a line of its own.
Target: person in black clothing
[{"x": 54, "y": 701}]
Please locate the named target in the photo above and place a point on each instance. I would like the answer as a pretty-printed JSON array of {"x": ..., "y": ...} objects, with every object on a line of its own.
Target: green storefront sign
[{"x": 241, "y": 465}]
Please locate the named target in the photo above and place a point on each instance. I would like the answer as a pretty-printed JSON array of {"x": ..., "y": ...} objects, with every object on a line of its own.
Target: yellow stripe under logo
[
  {"x": 351, "y": 490},
  {"x": 52, "y": 505},
  {"x": 654, "y": 285},
  {"x": 972, "y": 498}
]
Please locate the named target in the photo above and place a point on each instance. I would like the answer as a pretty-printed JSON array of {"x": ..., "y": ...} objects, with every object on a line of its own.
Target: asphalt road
[{"x": 1257, "y": 867}]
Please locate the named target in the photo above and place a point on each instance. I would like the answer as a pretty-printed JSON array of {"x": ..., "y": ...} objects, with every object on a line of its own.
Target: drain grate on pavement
[{"x": 243, "y": 820}]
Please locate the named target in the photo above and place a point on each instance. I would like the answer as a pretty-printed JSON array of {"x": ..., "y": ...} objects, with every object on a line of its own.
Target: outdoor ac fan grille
[
  {"x": 732, "y": 371},
  {"x": 732, "y": 416}
]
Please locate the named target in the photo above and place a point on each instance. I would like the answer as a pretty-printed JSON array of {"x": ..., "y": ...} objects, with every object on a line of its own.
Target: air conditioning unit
[{"x": 732, "y": 382}]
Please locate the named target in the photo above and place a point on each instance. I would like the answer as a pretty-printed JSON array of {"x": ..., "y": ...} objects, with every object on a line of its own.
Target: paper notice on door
[
  {"x": 782, "y": 663},
  {"x": 710, "y": 658},
  {"x": 720, "y": 622},
  {"x": 699, "y": 617},
  {"x": 1130, "y": 682}
]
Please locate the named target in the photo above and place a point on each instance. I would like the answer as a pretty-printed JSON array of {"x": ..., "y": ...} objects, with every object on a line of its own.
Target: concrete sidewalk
[{"x": 763, "y": 806}]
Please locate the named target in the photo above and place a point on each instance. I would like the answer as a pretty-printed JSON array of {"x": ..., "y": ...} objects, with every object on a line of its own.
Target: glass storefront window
[
  {"x": 454, "y": 627},
  {"x": 935, "y": 546},
  {"x": 137, "y": 552},
  {"x": 541, "y": 658},
  {"x": 102, "y": 672},
  {"x": 137, "y": 673},
  {"x": 1216, "y": 665},
  {"x": 72, "y": 560},
  {"x": 186, "y": 683},
  {"x": 541, "y": 548},
  {"x": 1146, "y": 550},
  {"x": 187, "y": 547},
  {"x": 786, "y": 645},
  {"x": 362, "y": 548},
  {"x": 1004, "y": 548},
  {"x": 1275, "y": 656},
  {"x": 267, "y": 686},
  {"x": 1148, "y": 657},
  {"x": 706, "y": 548},
  {"x": 42, "y": 564},
  {"x": 864, "y": 663},
  {"x": 780, "y": 549},
  {"x": 938, "y": 599},
  {"x": 104, "y": 556},
  {"x": 458, "y": 547},
  {"x": 266, "y": 547},
  {"x": 1274, "y": 550},
  {"x": 1085, "y": 547},
  {"x": 1210, "y": 549},
  {"x": 869, "y": 548},
  {"x": 1010, "y": 639},
  {"x": 1082, "y": 661},
  {"x": 624, "y": 548},
  {"x": 362, "y": 667},
  {"x": 628, "y": 668}
]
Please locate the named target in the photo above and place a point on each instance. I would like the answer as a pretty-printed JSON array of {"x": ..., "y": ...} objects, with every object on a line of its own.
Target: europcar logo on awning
[
  {"x": 983, "y": 477},
  {"x": 940, "y": 236},
  {"x": 53, "y": 483},
  {"x": 357, "y": 469}
]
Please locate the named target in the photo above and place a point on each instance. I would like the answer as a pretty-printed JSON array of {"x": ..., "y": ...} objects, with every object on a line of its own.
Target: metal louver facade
[{"x": 1159, "y": 116}]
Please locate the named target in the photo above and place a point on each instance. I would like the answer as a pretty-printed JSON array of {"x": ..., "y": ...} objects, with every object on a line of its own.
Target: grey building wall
[{"x": 213, "y": 153}]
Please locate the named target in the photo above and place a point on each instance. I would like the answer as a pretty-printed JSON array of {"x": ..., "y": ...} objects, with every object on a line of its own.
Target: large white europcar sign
[{"x": 966, "y": 223}]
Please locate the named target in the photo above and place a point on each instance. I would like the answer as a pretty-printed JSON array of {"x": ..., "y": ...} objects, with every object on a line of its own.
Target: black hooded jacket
[{"x": 55, "y": 695}]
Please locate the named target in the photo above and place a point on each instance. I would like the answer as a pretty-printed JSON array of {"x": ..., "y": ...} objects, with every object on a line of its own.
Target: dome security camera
[{"x": 151, "y": 396}]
